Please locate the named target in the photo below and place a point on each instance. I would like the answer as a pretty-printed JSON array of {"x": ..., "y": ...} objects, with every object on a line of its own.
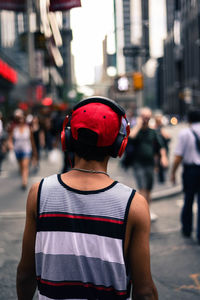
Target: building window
[{"x": 7, "y": 32}]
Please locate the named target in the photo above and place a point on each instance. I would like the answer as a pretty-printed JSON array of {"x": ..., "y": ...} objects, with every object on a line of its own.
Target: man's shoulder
[
  {"x": 139, "y": 209},
  {"x": 51, "y": 177},
  {"x": 50, "y": 181}
]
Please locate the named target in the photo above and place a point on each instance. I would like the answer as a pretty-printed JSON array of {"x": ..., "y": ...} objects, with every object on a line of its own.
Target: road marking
[
  {"x": 11, "y": 214},
  {"x": 167, "y": 231},
  {"x": 195, "y": 286}
]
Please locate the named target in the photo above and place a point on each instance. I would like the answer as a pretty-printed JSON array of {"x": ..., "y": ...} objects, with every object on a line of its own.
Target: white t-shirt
[
  {"x": 186, "y": 146},
  {"x": 22, "y": 140}
]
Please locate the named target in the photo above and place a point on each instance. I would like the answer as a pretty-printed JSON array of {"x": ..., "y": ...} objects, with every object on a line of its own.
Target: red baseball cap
[{"x": 99, "y": 118}]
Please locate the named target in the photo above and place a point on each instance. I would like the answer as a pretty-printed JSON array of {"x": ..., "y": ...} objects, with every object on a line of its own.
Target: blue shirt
[{"x": 186, "y": 146}]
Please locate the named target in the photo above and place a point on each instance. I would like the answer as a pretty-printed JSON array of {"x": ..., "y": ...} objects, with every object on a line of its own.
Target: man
[
  {"x": 165, "y": 137},
  {"x": 188, "y": 154},
  {"x": 147, "y": 145},
  {"x": 92, "y": 234}
]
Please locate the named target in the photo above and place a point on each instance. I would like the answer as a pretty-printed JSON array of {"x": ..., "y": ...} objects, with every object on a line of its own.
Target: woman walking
[{"x": 21, "y": 140}]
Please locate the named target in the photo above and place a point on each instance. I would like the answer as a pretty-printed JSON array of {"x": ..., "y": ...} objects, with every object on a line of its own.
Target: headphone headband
[
  {"x": 109, "y": 102},
  {"x": 120, "y": 142}
]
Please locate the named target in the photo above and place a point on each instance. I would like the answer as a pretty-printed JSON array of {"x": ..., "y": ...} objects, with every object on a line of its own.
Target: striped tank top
[{"x": 80, "y": 240}]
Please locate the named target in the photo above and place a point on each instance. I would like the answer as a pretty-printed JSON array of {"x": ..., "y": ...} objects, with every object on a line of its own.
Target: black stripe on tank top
[
  {"x": 53, "y": 221},
  {"x": 79, "y": 290},
  {"x": 85, "y": 192}
]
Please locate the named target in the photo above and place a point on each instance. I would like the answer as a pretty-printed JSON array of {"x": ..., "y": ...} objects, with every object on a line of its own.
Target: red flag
[
  {"x": 63, "y": 5},
  {"x": 16, "y": 5}
]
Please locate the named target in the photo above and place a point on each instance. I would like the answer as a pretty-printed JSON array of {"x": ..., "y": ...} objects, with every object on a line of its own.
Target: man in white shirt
[{"x": 188, "y": 154}]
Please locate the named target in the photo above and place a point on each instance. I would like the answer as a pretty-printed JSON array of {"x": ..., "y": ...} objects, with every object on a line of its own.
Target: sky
[{"x": 92, "y": 22}]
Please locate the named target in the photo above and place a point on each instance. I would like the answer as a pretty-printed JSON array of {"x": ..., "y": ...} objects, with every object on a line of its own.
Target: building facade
[
  {"x": 38, "y": 48},
  {"x": 132, "y": 46},
  {"x": 181, "y": 60}
]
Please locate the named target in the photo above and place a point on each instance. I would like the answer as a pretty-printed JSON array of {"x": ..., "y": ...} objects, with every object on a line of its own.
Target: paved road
[{"x": 175, "y": 261}]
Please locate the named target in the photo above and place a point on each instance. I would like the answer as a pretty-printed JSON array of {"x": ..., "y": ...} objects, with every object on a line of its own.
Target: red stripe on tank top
[{"x": 54, "y": 215}]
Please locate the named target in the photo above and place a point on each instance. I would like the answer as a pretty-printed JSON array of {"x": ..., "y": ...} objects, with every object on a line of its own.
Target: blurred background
[
  {"x": 53, "y": 53},
  {"x": 138, "y": 52}
]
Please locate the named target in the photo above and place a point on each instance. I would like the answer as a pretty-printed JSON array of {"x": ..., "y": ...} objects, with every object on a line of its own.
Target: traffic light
[{"x": 138, "y": 82}]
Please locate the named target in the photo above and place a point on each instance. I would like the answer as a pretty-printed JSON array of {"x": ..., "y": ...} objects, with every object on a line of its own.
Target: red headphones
[{"x": 119, "y": 145}]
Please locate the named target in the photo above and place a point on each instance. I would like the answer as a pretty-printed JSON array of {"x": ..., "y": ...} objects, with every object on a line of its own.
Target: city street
[
  {"x": 175, "y": 260},
  {"x": 144, "y": 55}
]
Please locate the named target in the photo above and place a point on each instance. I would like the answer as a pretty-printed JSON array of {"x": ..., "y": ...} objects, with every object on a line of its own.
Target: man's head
[
  {"x": 145, "y": 114},
  {"x": 94, "y": 131},
  {"x": 158, "y": 117},
  {"x": 193, "y": 115}
]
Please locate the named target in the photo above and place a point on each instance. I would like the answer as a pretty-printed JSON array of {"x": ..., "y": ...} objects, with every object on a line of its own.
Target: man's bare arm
[
  {"x": 163, "y": 159},
  {"x": 136, "y": 128},
  {"x": 26, "y": 277},
  {"x": 176, "y": 163},
  {"x": 139, "y": 254}
]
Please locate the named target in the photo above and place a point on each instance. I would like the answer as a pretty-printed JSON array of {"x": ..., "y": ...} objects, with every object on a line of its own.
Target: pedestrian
[
  {"x": 187, "y": 153},
  {"x": 91, "y": 240},
  {"x": 165, "y": 137},
  {"x": 21, "y": 141},
  {"x": 147, "y": 144},
  {"x": 39, "y": 138},
  {"x": 3, "y": 141},
  {"x": 48, "y": 133}
]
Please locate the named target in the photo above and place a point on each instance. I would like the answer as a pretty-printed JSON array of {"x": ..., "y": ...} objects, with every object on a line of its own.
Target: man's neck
[{"x": 91, "y": 165}]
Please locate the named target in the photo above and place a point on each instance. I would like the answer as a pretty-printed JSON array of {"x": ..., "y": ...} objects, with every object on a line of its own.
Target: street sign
[{"x": 132, "y": 51}]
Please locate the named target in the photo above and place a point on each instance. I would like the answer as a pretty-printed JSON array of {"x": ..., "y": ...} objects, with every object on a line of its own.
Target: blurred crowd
[{"x": 25, "y": 135}]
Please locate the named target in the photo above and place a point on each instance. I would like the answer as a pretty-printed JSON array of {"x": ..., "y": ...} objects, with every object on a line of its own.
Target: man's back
[
  {"x": 80, "y": 241},
  {"x": 146, "y": 143},
  {"x": 90, "y": 237}
]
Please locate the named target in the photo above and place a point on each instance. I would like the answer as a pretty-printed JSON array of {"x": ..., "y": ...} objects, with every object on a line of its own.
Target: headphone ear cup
[
  {"x": 66, "y": 139},
  {"x": 123, "y": 146},
  {"x": 63, "y": 140},
  {"x": 117, "y": 145}
]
